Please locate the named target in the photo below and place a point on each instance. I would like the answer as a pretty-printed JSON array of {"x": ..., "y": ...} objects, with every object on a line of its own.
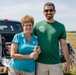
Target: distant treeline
[{"x": 71, "y": 31}]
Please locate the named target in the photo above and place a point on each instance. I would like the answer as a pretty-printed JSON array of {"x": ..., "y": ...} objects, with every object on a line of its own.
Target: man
[{"x": 49, "y": 33}]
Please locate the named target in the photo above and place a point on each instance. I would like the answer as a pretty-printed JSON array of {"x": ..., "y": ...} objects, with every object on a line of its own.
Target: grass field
[{"x": 71, "y": 37}]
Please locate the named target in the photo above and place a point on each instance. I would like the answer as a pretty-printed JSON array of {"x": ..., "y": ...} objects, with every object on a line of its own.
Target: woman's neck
[{"x": 28, "y": 36}]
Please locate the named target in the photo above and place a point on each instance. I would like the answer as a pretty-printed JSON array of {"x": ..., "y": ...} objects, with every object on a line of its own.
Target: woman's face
[{"x": 27, "y": 27}]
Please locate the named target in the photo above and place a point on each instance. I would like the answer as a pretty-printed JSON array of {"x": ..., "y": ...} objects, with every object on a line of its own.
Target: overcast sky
[{"x": 16, "y": 9}]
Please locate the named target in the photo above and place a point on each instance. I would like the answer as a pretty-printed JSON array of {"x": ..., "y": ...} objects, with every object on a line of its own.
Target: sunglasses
[{"x": 51, "y": 10}]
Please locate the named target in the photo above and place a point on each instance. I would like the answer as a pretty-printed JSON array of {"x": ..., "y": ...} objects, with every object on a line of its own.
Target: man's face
[{"x": 49, "y": 12}]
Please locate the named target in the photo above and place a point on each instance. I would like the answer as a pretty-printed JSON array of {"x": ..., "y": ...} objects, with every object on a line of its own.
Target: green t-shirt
[{"x": 49, "y": 35}]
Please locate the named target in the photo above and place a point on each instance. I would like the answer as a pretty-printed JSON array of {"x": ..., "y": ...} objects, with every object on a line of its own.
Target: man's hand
[{"x": 67, "y": 67}]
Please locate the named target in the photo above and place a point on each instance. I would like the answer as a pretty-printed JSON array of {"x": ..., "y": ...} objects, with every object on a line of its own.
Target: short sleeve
[
  {"x": 16, "y": 39},
  {"x": 63, "y": 34}
]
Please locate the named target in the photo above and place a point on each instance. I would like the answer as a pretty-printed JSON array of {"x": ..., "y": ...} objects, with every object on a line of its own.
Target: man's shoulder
[
  {"x": 39, "y": 22},
  {"x": 59, "y": 23}
]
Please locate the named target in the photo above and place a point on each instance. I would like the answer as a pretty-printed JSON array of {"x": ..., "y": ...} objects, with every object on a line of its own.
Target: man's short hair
[{"x": 49, "y": 4}]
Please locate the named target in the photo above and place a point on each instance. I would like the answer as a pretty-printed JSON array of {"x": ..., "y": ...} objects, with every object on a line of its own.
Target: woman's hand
[
  {"x": 34, "y": 55},
  {"x": 37, "y": 49}
]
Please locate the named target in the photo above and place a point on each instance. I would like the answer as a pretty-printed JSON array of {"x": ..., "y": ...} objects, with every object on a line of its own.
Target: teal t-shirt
[
  {"x": 49, "y": 35},
  {"x": 24, "y": 47}
]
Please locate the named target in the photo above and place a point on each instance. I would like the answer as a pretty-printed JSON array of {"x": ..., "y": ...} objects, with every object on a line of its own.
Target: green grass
[
  {"x": 72, "y": 72},
  {"x": 71, "y": 37}
]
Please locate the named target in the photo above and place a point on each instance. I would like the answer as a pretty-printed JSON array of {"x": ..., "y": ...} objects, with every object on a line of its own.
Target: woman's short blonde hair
[{"x": 27, "y": 19}]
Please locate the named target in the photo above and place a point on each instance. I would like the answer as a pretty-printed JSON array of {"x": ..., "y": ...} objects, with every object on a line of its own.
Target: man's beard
[{"x": 49, "y": 17}]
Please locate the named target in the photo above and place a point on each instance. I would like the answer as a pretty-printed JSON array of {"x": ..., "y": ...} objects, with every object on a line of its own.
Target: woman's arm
[{"x": 15, "y": 55}]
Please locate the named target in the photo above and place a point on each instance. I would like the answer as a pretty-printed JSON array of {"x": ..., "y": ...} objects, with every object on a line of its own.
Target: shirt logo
[{"x": 41, "y": 28}]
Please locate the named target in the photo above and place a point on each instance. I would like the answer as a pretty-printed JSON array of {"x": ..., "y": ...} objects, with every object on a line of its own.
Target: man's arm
[{"x": 64, "y": 49}]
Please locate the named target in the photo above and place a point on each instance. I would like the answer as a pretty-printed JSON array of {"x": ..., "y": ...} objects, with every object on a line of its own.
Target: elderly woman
[{"x": 22, "y": 52}]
